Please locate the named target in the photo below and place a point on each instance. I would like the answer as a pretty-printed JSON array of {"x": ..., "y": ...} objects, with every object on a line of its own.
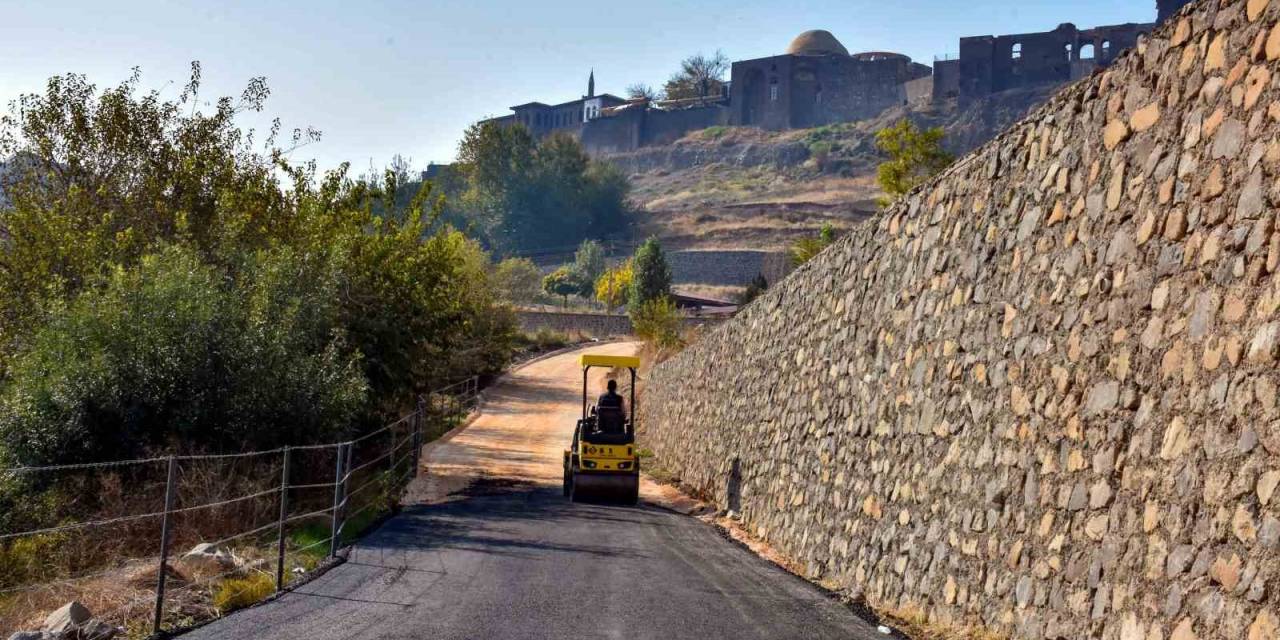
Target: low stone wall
[
  {"x": 716, "y": 267},
  {"x": 598, "y": 325},
  {"x": 726, "y": 267},
  {"x": 1039, "y": 394}
]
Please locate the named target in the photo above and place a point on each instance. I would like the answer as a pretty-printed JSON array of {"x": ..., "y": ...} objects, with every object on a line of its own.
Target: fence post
[
  {"x": 164, "y": 540},
  {"x": 419, "y": 426},
  {"x": 346, "y": 477},
  {"x": 284, "y": 514},
  {"x": 337, "y": 499}
]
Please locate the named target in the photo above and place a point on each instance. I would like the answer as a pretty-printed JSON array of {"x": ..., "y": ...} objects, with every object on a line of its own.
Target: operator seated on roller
[{"x": 611, "y": 413}]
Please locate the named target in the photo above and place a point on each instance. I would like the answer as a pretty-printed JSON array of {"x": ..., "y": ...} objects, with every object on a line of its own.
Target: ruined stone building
[
  {"x": 818, "y": 82},
  {"x": 991, "y": 64}
]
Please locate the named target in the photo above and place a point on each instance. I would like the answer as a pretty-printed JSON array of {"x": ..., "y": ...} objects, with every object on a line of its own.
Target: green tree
[
  {"x": 588, "y": 263},
  {"x": 699, "y": 76},
  {"x": 562, "y": 282},
  {"x": 651, "y": 275},
  {"x": 614, "y": 285},
  {"x": 168, "y": 277},
  {"x": 517, "y": 279},
  {"x": 526, "y": 194},
  {"x": 914, "y": 156},
  {"x": 804, "y": 249}
]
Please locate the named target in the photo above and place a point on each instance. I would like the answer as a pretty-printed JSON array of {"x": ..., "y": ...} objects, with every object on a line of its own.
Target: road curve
[{"x": 488, "y": 548}]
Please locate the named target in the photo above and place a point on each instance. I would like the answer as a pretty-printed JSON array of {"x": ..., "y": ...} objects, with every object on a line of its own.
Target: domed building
[
  {"x": 816, "y": 43},
  {"x": 818, "y": 82}
]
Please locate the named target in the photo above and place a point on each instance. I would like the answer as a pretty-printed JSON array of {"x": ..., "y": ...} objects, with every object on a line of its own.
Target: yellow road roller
[{"x": 602, "y": 461}]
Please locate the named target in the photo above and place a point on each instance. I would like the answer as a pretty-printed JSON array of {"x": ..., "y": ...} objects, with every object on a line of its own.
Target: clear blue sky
[{"x": 380, "y": 78}]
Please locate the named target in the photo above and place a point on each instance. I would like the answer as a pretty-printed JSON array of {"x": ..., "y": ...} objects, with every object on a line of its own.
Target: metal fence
[{"x": 174, "y": 541}]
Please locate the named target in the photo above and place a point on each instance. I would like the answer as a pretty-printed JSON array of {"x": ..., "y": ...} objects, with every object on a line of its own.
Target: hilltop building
[
  {"x": 991, "y": 64},
  {"x": 816, "y": 81},
  {"x": 544, "y": 119}
]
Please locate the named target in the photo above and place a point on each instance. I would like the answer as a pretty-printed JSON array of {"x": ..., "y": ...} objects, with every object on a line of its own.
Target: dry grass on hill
[{"x": 744, "y": 188}]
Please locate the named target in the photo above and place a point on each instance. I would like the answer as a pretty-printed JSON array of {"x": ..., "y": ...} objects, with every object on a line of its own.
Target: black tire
[
  {"x": 575, "y": 492},
  {"x": 568, "y": 482},
  {"x": 633, "y": 496}
]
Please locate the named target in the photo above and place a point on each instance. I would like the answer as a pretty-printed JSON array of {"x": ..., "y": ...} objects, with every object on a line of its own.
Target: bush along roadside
[{"x": 293, "y": 511}]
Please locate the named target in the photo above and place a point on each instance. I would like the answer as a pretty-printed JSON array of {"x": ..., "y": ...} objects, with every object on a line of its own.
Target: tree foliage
[
  {"x": 614, "y": 285},
  {"x": 168, "y": 280},
  {"x": 588, "y": 263},
  {"x": 914, "y": 156},
  {"x": 562, "y": 282},
  {"x": 651, "y": 275},
  {"x": 520, "y": 193},
  {"x": 757, "y": 286},
  {"x": 658, "y": 322},
  {"x": 804, "y": 249},
  {"x": 699, "y": 76},
  {"x": 517, "y": 280},
  {"x": 641, "y": 91}
]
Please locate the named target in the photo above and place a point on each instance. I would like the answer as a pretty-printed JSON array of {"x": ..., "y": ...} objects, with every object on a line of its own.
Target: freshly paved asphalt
[{"x": 508, "y": 557}]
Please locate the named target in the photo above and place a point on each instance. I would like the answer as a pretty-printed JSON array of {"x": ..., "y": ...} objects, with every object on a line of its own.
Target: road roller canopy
[{"x": 621, "y": 362}]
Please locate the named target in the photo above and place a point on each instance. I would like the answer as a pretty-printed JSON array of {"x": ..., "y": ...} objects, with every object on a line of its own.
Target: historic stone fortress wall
[{"x": 1041, "y": 392}]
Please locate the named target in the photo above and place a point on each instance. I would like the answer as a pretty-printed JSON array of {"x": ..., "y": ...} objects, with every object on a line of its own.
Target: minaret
[{"x": 591, "y": 84}]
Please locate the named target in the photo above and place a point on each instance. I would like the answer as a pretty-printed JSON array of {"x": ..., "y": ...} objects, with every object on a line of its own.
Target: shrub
[
  {"x": 804, "y": 249},
  {"x": 238, "y": 593},
  {"x": 757, "y": 286},
  {"x": 914, "y": 156},
  {"x": 167, "y": 353},
  {"x": 658, "y": 322},
  {"x": 715, "y": 132}
]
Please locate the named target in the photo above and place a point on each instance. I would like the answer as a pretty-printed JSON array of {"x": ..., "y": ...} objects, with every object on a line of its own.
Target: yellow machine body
[{"x": 596, "y": 468}]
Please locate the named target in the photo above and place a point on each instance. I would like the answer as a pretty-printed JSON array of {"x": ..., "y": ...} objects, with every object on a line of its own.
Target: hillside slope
[
  {"x": 738, "y": 187},
  {"x": 1040, "y": 394}
]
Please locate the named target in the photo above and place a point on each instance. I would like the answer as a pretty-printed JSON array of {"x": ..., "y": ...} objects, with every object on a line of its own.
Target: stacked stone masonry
[{"x": 1040, "y": 393}]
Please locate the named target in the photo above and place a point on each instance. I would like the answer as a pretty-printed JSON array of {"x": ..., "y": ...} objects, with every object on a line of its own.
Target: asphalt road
[{"x": 503, "y": 555}]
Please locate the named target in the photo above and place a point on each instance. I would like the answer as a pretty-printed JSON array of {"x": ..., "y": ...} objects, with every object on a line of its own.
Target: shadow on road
[{"x": 497, "y": 518}]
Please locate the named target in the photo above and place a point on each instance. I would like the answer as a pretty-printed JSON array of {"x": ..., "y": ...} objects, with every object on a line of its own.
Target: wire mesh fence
[{"x": 159, "y": 544}]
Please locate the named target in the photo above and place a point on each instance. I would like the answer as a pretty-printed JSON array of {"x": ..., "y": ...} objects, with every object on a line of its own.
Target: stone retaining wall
[
  {"x": 727, "y": 267},
  {"x": 1041, "y": 392},
  {"x": 598, "y": 325}
]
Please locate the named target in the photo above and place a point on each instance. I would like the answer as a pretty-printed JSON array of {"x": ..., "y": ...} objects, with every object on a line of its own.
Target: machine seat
[{"x": 608, "y": 426}]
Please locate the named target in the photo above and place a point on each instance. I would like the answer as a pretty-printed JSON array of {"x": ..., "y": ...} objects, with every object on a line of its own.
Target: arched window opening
[
  {"x": 1017, "y": 51},
  {"x": 1086, "y": 52},
  {"x": 1069, "y": 49},
  {"x": 1106, "y": 49}
]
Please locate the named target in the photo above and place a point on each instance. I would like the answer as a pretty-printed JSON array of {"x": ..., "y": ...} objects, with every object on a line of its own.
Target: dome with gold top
[{"x": 816, "y": 43}]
